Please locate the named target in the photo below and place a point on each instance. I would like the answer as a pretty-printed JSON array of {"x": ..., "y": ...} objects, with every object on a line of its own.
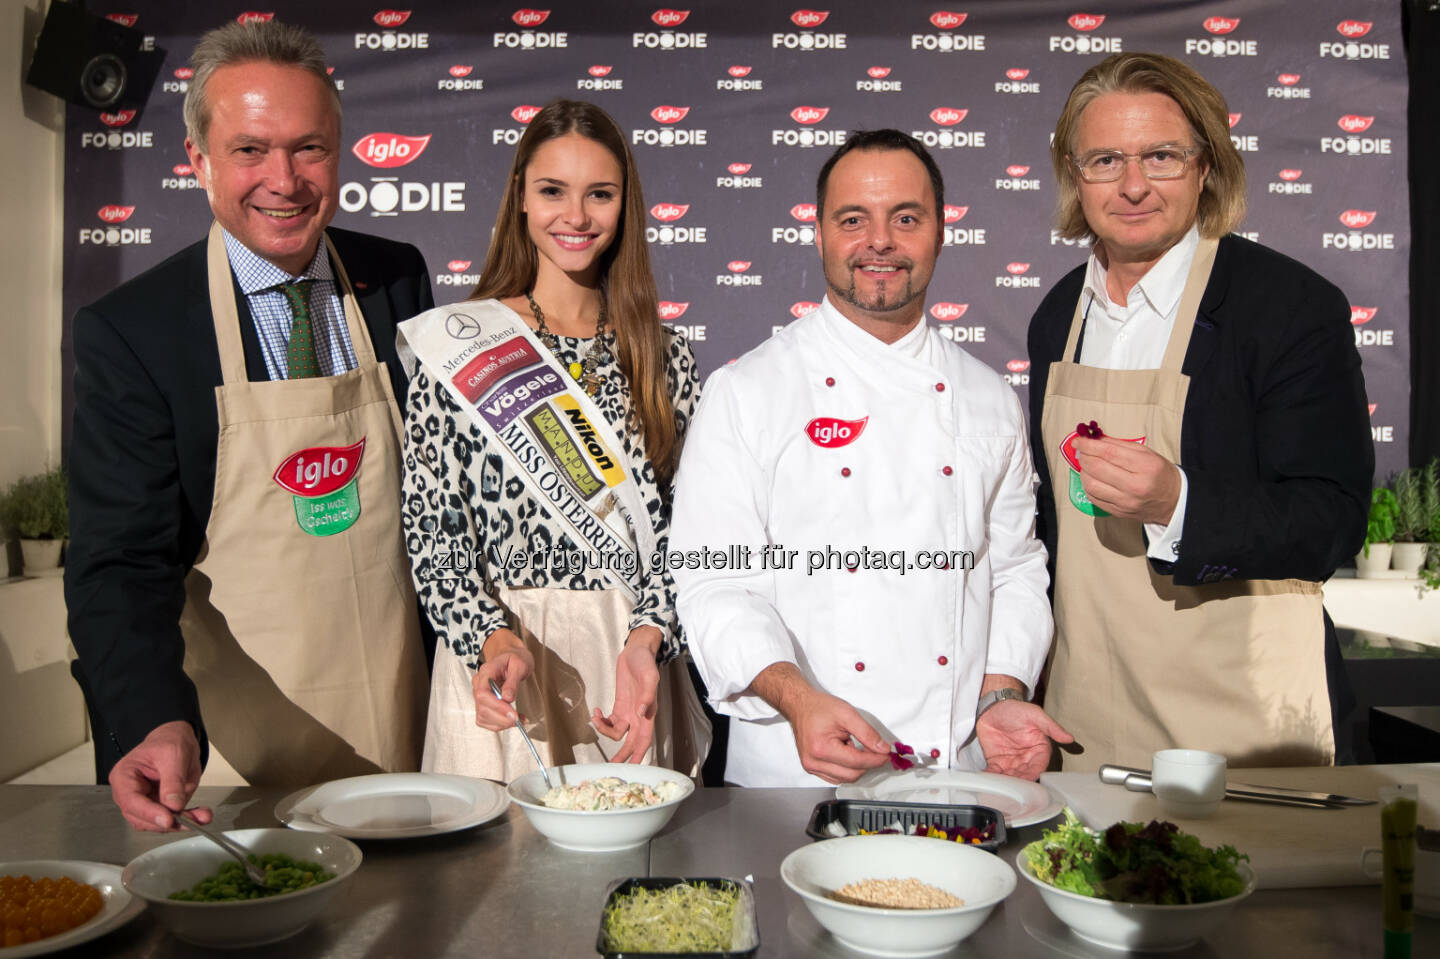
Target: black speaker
[{"x": 92, "y": 62}]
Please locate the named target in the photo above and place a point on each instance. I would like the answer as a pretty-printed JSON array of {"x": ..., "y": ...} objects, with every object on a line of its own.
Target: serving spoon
[
  {"x": 526, "y": 736},
  {"x": 256, "y": 874}
]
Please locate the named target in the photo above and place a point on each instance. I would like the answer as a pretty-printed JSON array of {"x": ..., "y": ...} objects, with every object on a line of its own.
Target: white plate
[
  {"x": 1022, "y": 802},
  {"x": 119, "y": 906},
  {"x": 393, "y": 805}
]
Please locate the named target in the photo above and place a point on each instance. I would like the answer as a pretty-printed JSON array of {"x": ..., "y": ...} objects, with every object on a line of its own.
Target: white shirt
[
  {"x": 1133, "y": 336},
  {"x": 822, "y": 442}
]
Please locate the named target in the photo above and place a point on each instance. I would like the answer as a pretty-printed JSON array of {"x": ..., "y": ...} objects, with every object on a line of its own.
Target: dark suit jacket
[
  {"x": 142, "y": 467},
  {"x": 1275, "y": 442}
]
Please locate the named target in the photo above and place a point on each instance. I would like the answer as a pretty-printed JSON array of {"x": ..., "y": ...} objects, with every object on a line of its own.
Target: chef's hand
[
  {"x": 1016, "y": 736},
  {"x": 824, "y": 726},
  {"x": 637, "y": 685},
  {"x": 156, "y": 779},
  {"x": 1128, "y": 480},
  {"x": 508, "y": 662}
]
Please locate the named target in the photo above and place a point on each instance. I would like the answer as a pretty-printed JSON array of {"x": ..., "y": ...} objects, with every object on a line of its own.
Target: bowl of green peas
[{"x": 204, "y": 897}]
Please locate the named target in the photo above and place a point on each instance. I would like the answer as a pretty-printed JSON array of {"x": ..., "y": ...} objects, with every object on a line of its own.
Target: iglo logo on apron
[
  {"x": 322, "y": 479},
  {"x": 1077, "y": 489}
]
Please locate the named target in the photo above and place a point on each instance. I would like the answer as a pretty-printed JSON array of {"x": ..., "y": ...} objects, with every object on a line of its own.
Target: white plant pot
[
  {"x": 41, "y": 556},
  {"x": 1374, "y": 565},
  {"x": 1408, "y": 557}
]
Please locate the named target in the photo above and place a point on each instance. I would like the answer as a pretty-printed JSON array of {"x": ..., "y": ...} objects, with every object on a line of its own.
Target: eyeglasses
[{"x": 1166, "y": 162}]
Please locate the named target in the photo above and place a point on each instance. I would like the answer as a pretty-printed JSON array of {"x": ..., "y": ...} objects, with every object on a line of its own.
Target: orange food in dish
[{"x": 34, "y": 909}]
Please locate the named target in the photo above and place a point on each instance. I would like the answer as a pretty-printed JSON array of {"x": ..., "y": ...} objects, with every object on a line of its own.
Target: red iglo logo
[
  {"x": 1373, "y": 407},
  {"x": 183, "y": 169},
  {"x": 1221, "y": 25},
  {"x": 117, "y": 119},
  {"x": 1362, "y": 314},
  {"x": 1289, "y": 79},
  {"x": 1015, "y": 73},
  {"x": 954, "y": 214},
  {"x": 458, "y": 266},
  {"x": 391, "y": 18},
  {"x": 600, "y": 70},
  {"x": 669, "y": 18},
  {"x": 254, "y": 16},
  {"x": 1352, "y": 123},
  {"x": 739, "y": 169},
  {"x": 808, "y": 115},
  {"x": 947, "y": 116},
  {"x": 804, "y": 212},
  {"x": 948, "y": 312},
  {"x": 738, "y": 71},
  {"x": 389, "y": 150},
  {"x": 669, "y": 212},
  {"x": 669, "y": 310},
  {"x": 1289, "y": 174},
  {"x": 1085, "y": 22},
  {"x": 809, "y": 18},
  {"x": 1018, "y": 366},
  {"x": 524, "y": 113},
  {"x": 1357, "y": 219},
  {"x": 114, "y": 213},
  {"x": 738, "y": 266},
  {"x": 669, "y": 114},
  {"x": 529, "y": 18},
  {"x": 878, "y": 73},
  {"x": 461, "y": 70},
  {"x": 1016, "y": 170},
  {"x": 184, "y": 73},
  {"x": 1234, "y": 119},
  {"x": 320, "y": 470},
  {"x": 1354, "y": 28},
  {"x": 829, "y": 432},
  {"x": 802, "y": 307},
  {"x": 1017, "y": 268},
  {"x": 124, "y": 19},
  {"x": 947, "y": 19}
]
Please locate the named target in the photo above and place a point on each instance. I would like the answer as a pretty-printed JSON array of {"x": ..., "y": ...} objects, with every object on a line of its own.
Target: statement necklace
[{"x": 582, "y": 372}]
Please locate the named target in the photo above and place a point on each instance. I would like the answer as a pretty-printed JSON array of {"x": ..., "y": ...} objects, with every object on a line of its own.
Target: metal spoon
[
  {"x": 526, "y": 736},
  {"x": 256, "y": 874}
]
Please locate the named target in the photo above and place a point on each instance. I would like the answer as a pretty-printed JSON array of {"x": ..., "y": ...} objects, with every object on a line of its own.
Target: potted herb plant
[
  {"x": 1417, "y": 500},
  {"x": 1379, "y": 534},
  {"x": 35, "y": 510}
]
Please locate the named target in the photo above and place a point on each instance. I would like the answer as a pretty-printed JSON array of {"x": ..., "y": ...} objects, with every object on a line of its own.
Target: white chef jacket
[{"x": 937, "y": 461}]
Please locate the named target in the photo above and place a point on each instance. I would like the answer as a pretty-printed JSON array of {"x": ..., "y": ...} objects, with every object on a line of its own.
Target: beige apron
[
  {"x": 1139, "y": 663},
  {"x": 304, "y": 646},
  {"x": 575, "y": 637}
]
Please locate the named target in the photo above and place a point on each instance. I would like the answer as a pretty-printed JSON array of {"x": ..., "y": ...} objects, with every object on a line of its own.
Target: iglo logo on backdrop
[
  {"x": 668, "y": 135},
  {"x": 599, "y": 78},
  {"x": 738, "y": 79},
  {"x": 522, "y": 115},
  {"x": 1287, "y": 87},
  {"x": 1083, "y": 41},
  {"x": 460, "y": 79},
  {"x": 737, "y": 177},
  {"x": 1352, "y": 48},
  {"x": 1352, "y": 144},
  {"x": 947, "y": 313},
  {"x": 182, "y": 178},
  {"x": 812, "y": 39},
  {"x": 112, "y": 234},
  {"x": 527, "y": 37},
  {"x": 1015, "y": 82},
  {"x": 115, "y": 138},
  {"x": 666, "y": 38},
  {"x": 946, "y": 138},
  {"x": 803, "y": 213},
  {"x": 1245, "y": 143},
  {"x": 1220, "y": 43},
  {"x": 961, "y": 236},
  {"x": 669, "y": 311},
  {"x": 878, "y": 82},
  {"x": 1017, "y": 179},
  {"x": 739, "y": 275},
  {"x": 1016, "y": 277},
  {"x": 1359, "y": 316},
  {"x": 1354, "y": 241},
  {"x": 668, "y": 234},
  {"x": 389, "y": 150},
  {"x": 1017, "y": 372},
  {"x": 391, "y": 40},
  {"x": 458, "y": 274},
  {"x": 181, "y": 83},
  {"x": 806, "y": 117},
  {"x": 1288, "y": 184},
  {"x": 391, "y": 196},
  {"x": 944, "y": 41}
]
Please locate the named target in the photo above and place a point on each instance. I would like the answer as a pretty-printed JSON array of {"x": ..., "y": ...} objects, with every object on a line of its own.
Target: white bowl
[
  {"x": 603, "y": 830},
  {"x": 179, "y": 865},
  {"x": 980, "y": 878},
  {"x": 1136, "y": 925}
]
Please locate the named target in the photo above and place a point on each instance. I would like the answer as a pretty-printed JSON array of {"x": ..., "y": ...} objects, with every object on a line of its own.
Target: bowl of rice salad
[{"x": 600, "y": 807}]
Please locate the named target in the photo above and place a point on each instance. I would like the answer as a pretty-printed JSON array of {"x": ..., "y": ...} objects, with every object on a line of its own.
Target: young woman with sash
[{"x": 544, "y": 424}]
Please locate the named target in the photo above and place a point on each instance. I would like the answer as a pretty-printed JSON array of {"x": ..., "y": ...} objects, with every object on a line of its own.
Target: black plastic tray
[
  {"x": 874, "y": 815},
  {"x": 624, "y": 886}
]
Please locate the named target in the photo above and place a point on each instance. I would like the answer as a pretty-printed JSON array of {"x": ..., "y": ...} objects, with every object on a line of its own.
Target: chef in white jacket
[{"x": 893, "y": 589}]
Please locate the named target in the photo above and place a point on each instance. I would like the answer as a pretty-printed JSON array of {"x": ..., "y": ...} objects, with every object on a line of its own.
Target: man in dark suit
[
  {"x": 1200, "y": 428},
  {"x": 198, "y": 385}
]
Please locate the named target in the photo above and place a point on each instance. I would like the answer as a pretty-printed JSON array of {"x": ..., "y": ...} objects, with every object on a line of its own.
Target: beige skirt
[{"x": 576, "y": 637}]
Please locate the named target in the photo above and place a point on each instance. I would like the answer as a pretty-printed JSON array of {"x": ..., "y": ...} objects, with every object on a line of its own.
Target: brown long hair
[{"x": 625, "y": 278}]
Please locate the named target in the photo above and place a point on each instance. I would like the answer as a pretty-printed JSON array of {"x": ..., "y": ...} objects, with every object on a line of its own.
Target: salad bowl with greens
[{"x": 1140, "y": 886}]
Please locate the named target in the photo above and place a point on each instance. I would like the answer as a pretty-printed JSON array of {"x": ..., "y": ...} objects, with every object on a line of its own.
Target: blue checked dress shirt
[{"x": 260, "y": 282}]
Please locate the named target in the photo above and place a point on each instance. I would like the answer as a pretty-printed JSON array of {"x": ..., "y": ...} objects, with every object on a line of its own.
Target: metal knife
[{"x": 1138, "y": 780}]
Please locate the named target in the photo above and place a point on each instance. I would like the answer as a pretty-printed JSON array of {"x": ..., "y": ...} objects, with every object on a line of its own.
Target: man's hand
[
  {"x": 823, "y": 725},
  {"x": 637, "y": 684},
  {"x": 156, "y": 779},
  {"x": 1128, "y": 480},
  {"x": 508, "y": 662},
  {"x": 1016, "y": 736}
]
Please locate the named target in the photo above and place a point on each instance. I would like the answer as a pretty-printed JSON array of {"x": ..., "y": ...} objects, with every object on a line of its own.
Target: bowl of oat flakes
[{"x": 901, "y": 896}]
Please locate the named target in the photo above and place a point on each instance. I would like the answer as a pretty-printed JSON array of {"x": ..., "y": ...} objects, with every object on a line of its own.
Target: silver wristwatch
[{"x": 997, "y": 695}]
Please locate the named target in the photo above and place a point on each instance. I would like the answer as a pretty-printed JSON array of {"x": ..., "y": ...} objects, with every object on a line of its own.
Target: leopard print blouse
[{"x": 469, "y": 521}]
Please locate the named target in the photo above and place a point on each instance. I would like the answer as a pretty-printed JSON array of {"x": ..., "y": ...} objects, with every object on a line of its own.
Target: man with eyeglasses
[{"x": 1200, "y": 427}]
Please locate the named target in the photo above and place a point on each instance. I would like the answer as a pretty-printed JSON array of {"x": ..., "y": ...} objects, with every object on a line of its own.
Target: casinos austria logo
[{"x": 322, "y": 485}]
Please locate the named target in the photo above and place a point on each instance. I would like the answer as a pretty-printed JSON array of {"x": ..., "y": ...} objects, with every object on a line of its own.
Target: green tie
[{"x": 300, "y": 358}]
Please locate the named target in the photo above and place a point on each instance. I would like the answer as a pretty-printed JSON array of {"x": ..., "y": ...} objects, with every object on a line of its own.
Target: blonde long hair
[{"x": 625, "y": 278}]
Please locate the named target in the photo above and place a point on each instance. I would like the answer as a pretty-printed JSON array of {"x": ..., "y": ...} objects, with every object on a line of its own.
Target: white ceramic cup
[
  {"x": 1427, "y": 876},
  {"x": 1190, "y": 783}
]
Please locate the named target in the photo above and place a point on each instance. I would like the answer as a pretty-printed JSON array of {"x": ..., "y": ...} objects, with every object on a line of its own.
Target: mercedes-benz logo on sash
[{"x": 461, "y": 327}]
